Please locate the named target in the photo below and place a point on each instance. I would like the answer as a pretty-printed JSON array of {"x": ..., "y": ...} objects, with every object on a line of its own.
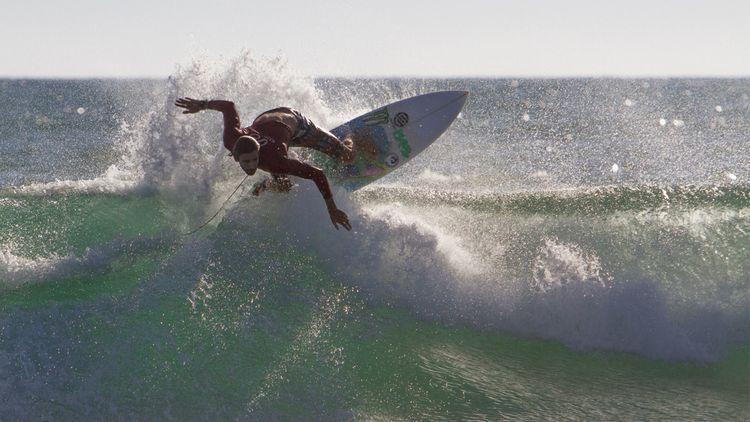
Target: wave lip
[
  {"x": 112, "y": 182},
  {"x": 17, "y": 270},
  {"x": 596, "y": 200}
]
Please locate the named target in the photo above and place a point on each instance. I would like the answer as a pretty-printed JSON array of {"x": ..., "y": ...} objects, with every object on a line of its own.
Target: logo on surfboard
[
  {"x": 376, "y": 117},
  {"x": 401, "y": 119},
  {"x": 403, "y": 143},
  {"x": 391, "y": 160}
]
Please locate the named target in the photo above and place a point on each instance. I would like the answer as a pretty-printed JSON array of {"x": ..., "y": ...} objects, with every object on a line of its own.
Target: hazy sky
[{"x": 82, "y": 38}]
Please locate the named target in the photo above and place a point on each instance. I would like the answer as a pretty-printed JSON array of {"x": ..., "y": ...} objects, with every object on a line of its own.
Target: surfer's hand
[
  {"x": 280, "y": 184},
  {"x": 190, "y": 105},
  {"x": 339, "y": 217},
  {"x": 348, "y": 156},
  {"x": 259, "y": 187}
]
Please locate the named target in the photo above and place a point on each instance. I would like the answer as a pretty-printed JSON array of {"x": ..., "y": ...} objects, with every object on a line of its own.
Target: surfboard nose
[
  {"x": 449, "y": 103},
  {"x": 456, "y": 104},
  {"x": 431, "y": 115},
  {"x": 452, "y": 102},
  {"x": 462, "y": 97},
  {"x": 457, "y": 94},
  {"x": 445, "y": 97}
]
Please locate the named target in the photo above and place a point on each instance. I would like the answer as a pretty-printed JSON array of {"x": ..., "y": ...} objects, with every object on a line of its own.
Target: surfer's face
[{"x": 249, "y": 162}]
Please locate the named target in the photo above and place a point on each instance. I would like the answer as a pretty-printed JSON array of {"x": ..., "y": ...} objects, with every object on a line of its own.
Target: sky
[{"x": 477, "y": 38}]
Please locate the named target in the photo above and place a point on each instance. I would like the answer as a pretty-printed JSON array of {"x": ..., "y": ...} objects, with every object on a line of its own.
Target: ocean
[{"x": 569, "y": 249}]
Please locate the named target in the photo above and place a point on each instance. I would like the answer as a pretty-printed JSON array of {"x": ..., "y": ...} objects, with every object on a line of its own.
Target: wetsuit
[{"x": 274, "y": 136}]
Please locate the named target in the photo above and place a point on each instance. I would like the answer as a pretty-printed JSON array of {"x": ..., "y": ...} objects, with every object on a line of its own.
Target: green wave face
[{"x": 247, "y": 320}]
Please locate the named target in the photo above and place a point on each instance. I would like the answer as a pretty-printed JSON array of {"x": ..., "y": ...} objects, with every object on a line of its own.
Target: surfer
[{"x": 265, "y": 145}]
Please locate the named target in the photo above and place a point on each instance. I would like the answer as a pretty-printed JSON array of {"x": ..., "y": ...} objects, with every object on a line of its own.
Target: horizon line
[{"x": 407, "y": 76}]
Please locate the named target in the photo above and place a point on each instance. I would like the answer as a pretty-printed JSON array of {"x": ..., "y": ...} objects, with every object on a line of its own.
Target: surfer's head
[{"x": 246, "y": 151}]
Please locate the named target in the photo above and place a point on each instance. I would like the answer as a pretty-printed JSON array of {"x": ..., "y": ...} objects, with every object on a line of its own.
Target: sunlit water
[{"x": 568, "y": 249}]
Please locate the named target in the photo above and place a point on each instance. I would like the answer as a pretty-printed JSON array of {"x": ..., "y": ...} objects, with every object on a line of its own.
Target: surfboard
[{"x": 388, "y": 137}]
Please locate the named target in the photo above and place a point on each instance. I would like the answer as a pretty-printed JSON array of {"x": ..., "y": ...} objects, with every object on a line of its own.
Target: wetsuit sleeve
[
  {"x": 232, "y": 129},
  {"x": 306, "y": 171}
]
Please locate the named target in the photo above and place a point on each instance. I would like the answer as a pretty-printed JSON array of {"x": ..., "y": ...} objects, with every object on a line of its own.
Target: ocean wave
[
  {"x": 113, "y": 182},
  {"x": 554, "y": 289},
  {"x": 17, "y": 270},
  {"x": 585, "y": 200},
  {"x": 537, "y": 277}
]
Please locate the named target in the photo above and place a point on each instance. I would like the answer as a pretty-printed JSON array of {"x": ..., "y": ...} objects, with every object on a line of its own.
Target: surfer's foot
[{"x": 347, "y": 157}]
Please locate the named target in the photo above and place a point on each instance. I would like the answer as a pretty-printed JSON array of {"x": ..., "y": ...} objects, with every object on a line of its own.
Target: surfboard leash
[{"x": 219, "y": 210}]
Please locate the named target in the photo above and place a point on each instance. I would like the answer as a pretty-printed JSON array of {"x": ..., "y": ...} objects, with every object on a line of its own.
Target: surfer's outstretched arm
[
  {"x": 300, "y": 169},
  {"x": 232, "y": 128}
]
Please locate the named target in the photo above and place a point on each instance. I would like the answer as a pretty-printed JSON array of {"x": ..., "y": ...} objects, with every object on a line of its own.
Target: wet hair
[{"x": 243, "y": 145}]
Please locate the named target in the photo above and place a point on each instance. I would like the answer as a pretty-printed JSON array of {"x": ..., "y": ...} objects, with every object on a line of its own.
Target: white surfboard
[{"x": 386, "y": 138}]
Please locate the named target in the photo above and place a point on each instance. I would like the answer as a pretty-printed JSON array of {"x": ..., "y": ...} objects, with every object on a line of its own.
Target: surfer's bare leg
[
  {"x": 327, "y": 143},
  {"x": 322, "y": 140}
]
